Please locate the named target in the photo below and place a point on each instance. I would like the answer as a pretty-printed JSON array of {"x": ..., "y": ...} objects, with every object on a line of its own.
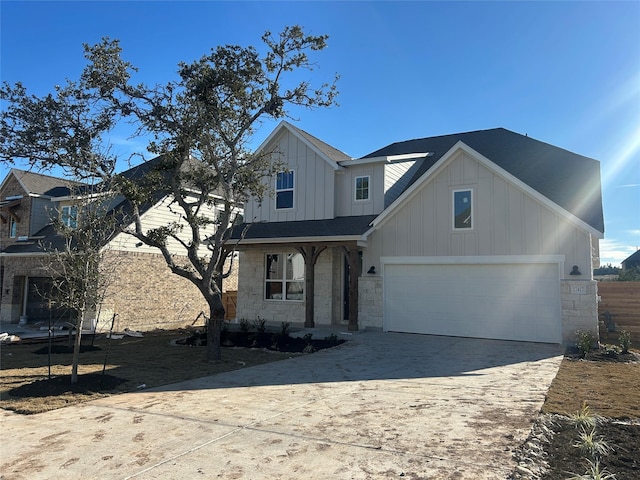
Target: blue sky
[{"x": 566, "y": 73}]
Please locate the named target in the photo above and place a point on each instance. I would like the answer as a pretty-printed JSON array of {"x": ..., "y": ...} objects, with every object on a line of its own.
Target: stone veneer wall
[
  {"x": 579, "y": 308},
  {"x": 370, "y": 308},
  {"x": 252, "y": 304}
]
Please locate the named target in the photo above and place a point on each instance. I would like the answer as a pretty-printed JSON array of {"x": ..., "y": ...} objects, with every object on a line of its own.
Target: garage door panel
[{"x": 504, "y": 301}]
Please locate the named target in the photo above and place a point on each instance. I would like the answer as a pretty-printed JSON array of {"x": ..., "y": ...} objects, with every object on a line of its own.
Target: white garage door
[{"x": 502, "y": 301}]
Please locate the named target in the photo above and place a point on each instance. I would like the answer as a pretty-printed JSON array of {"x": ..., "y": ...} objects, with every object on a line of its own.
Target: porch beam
[
  {"x": 352, "y": 259},
  {"x": 310, "y": 253}
]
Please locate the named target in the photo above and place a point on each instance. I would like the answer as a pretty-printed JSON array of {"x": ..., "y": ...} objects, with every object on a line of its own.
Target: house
[
  {"x": 143, "y": 293},
  {"x": 631, "y": 262},
  {"x": 487, "y": 234}
]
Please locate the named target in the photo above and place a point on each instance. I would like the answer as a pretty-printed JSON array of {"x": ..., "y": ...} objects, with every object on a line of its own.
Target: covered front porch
[{"x": 301, "y": 272}]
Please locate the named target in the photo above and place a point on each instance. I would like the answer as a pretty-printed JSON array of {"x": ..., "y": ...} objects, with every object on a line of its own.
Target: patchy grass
[
  {"x": 131, "y": 363},
  {"x": 610, "y": 389}
]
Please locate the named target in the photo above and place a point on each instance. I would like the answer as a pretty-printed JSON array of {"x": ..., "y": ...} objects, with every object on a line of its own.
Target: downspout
[{"x": 25, "y": 292}]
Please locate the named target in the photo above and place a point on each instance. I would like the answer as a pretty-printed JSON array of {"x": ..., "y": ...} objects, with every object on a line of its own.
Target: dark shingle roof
[
  {"x": 39, "y": 184},
  {"x": 570, "y": 180},
  {"x": 334, "y": 227},
  {"x": 331, "y": 152}
]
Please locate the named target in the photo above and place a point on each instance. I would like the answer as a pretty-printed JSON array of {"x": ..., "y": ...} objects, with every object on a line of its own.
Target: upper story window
[
  {"x": 13, "y": 227},
  {"x": 284, "y": 190},
  {"x": 362, "y": 188},
  {"x": 462, "y": 209},
  {"x": 69, "y": 216}
]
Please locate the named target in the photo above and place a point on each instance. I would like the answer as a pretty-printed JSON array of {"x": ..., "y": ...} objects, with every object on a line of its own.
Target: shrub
[
  {"x": 592, "y": 445},
  {"x": 584, "y": 419},
  {"x": 594, "y": 472},
  {"x": 625, "y": 341},
  {"x": 332, "y": 339},
  {"x": 284, "y": 331},
  {"x": 244, "y": 325},
  {"x": 584, "y": 342},
  {"x": 260, "y": 325}
]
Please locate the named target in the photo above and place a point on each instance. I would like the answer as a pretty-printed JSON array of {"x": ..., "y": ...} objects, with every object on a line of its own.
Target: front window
[
  {"x": 284, "y": 278},
  {"x": 462, "y": 209},
  {"x": 362, "y": 188},
  {"x": 69, "y": 216},
  {"x": 13, "y": 227},
  {"x": 284, "y": 190}
]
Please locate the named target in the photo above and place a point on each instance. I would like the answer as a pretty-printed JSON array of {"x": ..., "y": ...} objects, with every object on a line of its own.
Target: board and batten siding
[
  {"x": 346, "y": 204},
  {"x": 506, "y": 221},
  {"x": 314, "y": 184}
]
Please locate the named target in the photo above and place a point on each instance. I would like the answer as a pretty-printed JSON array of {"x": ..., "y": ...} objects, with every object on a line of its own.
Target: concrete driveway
[{"x": 379, "y": 406}]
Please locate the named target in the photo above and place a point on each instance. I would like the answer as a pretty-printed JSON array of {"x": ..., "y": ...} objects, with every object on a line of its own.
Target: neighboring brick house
[
  {"x": 486, "y": 234},
  {"x": 143, "y": 292}
]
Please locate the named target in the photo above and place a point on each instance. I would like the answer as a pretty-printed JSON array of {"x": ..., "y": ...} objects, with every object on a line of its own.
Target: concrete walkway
[{"x": 379, "y": 406}]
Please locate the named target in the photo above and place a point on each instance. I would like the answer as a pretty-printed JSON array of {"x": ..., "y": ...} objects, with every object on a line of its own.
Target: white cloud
[{"x": 614, "y": 252}]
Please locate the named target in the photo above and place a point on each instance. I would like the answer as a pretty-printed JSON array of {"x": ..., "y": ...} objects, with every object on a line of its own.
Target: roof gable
[
  {"x": 330, "y": 154},
  {"x": 569, "y": 180},
  {"x": 39, "y": 184}
]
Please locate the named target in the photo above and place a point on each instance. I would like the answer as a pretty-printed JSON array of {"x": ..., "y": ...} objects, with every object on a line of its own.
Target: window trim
[
  {"x": 453, "y": 210},
  {"x": 355, "y": 188},
  {"x": 284, "y": 190},
  {"x": 13, "y": 227},
  {"x": 284, "y": 281},
  {"x": 66, "y": 218}
]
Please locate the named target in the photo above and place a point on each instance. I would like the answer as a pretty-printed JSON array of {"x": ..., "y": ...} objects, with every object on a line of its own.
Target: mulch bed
[{"x": 275, "y": 341}]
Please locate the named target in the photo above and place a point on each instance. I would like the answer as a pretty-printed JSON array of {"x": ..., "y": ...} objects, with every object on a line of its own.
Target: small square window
[
  {"x": 462, "y": 209},
  {"x": 362, "y": 188},
  {"x": 284, "y": 190}
]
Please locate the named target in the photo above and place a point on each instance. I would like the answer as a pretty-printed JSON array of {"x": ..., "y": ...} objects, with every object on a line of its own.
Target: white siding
[
  {"x": 314, "y": 184},
  {"x": 507, "y": 222},
  {"x": 158, "y": 216},
  {"x": 396, "y": 178},
  {"x": 346, "y": 204}
]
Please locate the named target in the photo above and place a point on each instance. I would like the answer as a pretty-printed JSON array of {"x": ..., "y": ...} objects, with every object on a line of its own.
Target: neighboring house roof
[
  {"x": 40, "y": 184},
  {"x": 632, "y": 260},
  {"x": 327, "y": 230},
  {"x": 570, "y": 180}
]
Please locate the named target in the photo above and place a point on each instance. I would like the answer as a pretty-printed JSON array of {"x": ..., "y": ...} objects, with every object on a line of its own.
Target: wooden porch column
[
  {"x": 310, "y": 254},
  {"x": 354, "y": 267}
]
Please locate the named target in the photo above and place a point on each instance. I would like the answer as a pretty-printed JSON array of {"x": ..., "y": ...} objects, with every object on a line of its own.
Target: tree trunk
[
  {"x": 76, "y": 347},
  {"x": 214, "y": 328}
]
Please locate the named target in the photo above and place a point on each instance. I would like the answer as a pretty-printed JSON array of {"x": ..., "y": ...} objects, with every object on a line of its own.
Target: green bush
[
  {"x": 584, "y": 342},
  {"x": 625, "y": 341}
]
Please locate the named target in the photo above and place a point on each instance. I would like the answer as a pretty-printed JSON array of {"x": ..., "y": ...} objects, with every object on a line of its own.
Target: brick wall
[
  {"x": 15, "y": 269},
  {"x": 145, "y": 295},
  {"x": 13, "y": 188}
]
